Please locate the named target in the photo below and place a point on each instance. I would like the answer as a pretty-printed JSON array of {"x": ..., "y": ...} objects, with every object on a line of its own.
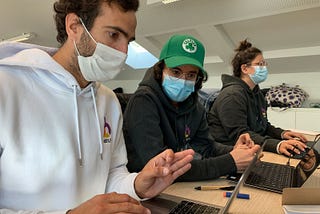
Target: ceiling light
[
  {"x": 20, "y": 38},
  {"x": 168, "y": 1}
]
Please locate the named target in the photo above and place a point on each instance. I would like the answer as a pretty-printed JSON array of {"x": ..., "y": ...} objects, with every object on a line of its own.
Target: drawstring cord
[
  {"x": 77, "y": 123},
  {"x": 98, "y": 123}
]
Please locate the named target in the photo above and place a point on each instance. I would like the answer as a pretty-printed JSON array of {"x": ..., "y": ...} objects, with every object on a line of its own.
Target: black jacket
[
  {"x": 237, "y": 110},
  {"x": 152, "y": 124}
]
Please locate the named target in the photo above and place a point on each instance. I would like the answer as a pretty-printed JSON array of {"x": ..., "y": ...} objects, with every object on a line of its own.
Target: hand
[
  {"x": 161, "y": 171},
  {"x": 291, "y": 145},
  {"x": 244, "y": 139},
  {"x": 110, "y": 203},
  {"x": 243, "y": 155},
  {"x": 290, "y": 135}
]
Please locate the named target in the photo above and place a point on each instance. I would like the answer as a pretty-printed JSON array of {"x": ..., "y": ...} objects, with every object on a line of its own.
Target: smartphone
[{"x": 234, "y": 177}]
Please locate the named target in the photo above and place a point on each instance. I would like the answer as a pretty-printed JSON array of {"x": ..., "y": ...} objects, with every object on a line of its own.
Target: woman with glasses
[
  {"x": 164, "y": 112},
  {"x": 241, "y": 106}
]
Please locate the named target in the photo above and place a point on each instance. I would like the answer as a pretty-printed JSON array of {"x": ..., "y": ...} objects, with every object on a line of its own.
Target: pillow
[{"x": 286, "y": 96}]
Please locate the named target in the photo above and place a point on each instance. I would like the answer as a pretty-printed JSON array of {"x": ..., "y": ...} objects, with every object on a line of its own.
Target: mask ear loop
[
  {"x": 85, "y": 28},
  {"x": 75, "y": 47}
]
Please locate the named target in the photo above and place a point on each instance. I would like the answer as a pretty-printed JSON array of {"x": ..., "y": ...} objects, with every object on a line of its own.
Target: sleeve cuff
[
  {"x": 278, "y": 146},
  {"x": 282, "y": 133}
]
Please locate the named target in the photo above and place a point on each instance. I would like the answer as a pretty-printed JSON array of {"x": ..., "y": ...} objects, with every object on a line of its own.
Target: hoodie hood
[
  {"x": 150, "y": 82},
  {"x": 228, "y": 80},
  {"x": 39, "y": 58}
]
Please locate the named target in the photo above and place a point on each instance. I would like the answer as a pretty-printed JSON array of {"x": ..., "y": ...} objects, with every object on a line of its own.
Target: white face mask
[{"x": 103, "y": 65}]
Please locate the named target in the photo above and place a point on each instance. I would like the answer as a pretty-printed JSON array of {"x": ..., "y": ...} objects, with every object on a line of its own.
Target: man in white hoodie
[{"x": 61, "y": 142}]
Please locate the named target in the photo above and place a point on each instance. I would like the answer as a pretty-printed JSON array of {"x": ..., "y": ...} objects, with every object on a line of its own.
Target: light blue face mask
[
  {"x": 177, "y": 89},
  {"x": 260, "y": 74}
]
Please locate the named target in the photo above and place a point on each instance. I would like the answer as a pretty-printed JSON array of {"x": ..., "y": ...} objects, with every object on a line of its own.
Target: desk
[{"x": 260, "y": 201}]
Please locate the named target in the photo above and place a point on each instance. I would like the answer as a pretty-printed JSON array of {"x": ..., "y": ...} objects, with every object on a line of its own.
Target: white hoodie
[{"x": 59, "y": 144}]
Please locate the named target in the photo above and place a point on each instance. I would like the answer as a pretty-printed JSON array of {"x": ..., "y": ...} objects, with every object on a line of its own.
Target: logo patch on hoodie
[
  {"x": 264, "y": 112},
  {"x": 106, "y": 132}
]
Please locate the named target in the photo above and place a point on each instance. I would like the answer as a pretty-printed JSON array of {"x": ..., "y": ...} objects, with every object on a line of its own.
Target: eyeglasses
[
  {"x": 177, "y": 73},
  {"x": 260, "y": 64}
]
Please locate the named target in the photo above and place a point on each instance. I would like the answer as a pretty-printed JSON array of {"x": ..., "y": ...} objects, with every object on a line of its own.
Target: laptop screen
[
  {"x": 243, "y": 177},
  {"x": 308, "y": 163}
]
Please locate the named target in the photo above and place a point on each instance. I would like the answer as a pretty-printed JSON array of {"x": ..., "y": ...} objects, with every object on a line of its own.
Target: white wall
[{"x": 310, "y": 82}]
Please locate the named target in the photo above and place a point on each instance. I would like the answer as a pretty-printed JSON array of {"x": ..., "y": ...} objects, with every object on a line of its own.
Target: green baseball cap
[{"x": 183, "y": 50}]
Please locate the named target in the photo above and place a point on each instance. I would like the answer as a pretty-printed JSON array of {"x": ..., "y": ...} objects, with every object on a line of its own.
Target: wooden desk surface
[{"x": 260, "y": 201}]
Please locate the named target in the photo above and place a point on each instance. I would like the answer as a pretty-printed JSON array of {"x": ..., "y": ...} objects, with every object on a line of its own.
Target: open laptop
[
  {"x": 174, "y": 204},
  {"x": 275, "y": 177}
]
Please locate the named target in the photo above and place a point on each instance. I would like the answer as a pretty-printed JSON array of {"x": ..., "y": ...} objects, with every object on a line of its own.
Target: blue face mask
[
  {"x": 260, "y": 74},
  {"x": 177, "y": 89}
]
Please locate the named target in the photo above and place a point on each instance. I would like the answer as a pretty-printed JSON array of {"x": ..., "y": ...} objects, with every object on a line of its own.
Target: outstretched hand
[
  {"x": 161, "y": 171},
  {"x": 294, "y": 135}
]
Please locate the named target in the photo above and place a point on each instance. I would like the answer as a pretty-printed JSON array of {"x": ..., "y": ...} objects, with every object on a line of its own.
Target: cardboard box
[
  {"x": 301, "y": 200},
  {"x": 301, "y": 196}
]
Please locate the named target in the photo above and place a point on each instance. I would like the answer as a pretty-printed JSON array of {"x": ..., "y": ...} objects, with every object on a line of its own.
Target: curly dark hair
[
  {"x": 158, "y": 70},
  {"x": 245, "y": 54},
  {"x": 87, "y": 10}
]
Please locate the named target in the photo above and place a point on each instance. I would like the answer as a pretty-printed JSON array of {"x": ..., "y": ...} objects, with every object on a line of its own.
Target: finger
[
  {"x": 301, "y": 146},
  {"x": 118, "y": 198},
  {"x": 244, "y": 138},
  {"x": 176, "y": 169},
  {"x": 296, "y": 149},
  {"x": 251, "y": 143},
  {"x": 242, "y": 146},
  {"x": 170, "y": 158},
  {"x": 181, "y": 171},
  {"x": 302, "y": 138},
  {"x": 181, "y": 166},
  {"x": 163, "y": 158},
  {"x": 285, "y": 152},
  {"x": 182, "y": 154},
  {"x": 125, "y": 207},
  {"x": 255, "y": 148},
  {"x": 285, "y": 148}
]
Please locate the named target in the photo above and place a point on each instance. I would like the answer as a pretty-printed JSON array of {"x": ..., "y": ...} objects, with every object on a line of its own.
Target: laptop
[
  {"x": 174, "y": 204},
  {"x": 275, "y": 177}
]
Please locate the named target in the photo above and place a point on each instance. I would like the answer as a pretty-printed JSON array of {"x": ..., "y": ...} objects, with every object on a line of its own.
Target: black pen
[{"x": 215, "y": 188}]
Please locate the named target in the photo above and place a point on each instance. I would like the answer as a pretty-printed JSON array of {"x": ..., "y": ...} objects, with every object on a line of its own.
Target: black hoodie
[
  {"x": 237, "y": 110},
  {"x": 152, "y": 124}
]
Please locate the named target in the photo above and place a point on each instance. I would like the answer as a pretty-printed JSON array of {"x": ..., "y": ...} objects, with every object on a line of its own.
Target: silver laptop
[
  {"x": 275, "y": 177},
  {"x": 172, "y": 204}
]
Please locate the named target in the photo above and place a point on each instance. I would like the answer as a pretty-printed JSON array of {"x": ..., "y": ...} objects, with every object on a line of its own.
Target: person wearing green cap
[{"x": 164, "y": 112}]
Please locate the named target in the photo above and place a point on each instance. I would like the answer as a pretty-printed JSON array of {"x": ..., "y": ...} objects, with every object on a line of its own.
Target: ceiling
[{"x": 287, "y": 31}]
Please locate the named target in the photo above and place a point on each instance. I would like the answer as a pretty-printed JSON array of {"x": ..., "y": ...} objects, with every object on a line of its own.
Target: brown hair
[
  {"x": 158, "y": 70},
  {"x": 87, "y": 10},
  {"x": 245, "y": 54}
]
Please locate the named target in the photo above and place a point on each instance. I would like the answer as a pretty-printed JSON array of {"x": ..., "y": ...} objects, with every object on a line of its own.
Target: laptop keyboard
[
  {"x": 189, "y": 207},
  {"x": 270, "y": 176}
]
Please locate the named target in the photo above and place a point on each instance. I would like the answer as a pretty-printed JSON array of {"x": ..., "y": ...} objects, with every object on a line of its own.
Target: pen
[
  {"x": 215, "y": 188},
  {"x": 240, "y": 195}
]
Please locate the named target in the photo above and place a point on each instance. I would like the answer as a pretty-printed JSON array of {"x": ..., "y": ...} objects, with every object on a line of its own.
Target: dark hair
[
  {"x": 87, "y": 10},
  {"x": 245, "y": 54},
  {"x": 158, "y": 70}
]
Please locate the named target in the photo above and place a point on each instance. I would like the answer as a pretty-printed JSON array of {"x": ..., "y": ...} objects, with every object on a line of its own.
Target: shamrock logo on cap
[{"x": 189, "y": 45}]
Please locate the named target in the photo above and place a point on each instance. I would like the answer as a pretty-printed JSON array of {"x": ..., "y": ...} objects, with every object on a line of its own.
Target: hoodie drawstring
[
  {"x": 77, "y": 122},
  {"x": 98, "y": 122}
]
